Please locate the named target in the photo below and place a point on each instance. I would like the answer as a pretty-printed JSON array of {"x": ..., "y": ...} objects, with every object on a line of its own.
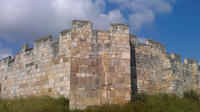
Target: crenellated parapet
[
  {"x": 133, "y": 38},
  {"x": 6, "y": 60},
  {"x": 159, "y": 71},
  {"x": 40, "y": 70},
  {"x": 190, "y": 61},
  {"x": 119, "y": 28},
  {"x": 64, "y": 32},
  {"x": 176, "y": 57},
  {"x": 25, "y": 47},
  {"x": 42, "y": 41},
  {"x": 155, "y": 44},
  {"x": 76, "y": 24}
]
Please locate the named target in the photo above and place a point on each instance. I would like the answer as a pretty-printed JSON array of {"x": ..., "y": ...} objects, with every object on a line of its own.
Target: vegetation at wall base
[{"x": 140, "y": 103}]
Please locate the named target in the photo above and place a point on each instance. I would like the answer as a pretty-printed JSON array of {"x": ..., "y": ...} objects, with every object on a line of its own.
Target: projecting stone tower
[{"x": 100, "y": 65}]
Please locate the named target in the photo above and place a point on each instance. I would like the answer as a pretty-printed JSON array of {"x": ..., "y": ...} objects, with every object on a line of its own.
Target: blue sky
[
  {"x": 175, "y": 23},
  {"x": 180, "y": 30}
]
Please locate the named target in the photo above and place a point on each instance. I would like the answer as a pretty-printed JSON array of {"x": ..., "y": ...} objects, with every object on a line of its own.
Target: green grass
[
  {"x": 140, "y": 103},
  {"x": 34, "y": 104}
]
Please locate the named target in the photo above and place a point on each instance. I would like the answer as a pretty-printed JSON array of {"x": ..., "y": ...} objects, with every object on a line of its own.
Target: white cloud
[
  {"x": 4, "y": 52},
  {"x": 103, "y": 20},
  {"x": 144, "y": 11},
  {"x": 30, "y": 19},
  {"x": 141, "y": 18},
  {"x": 139, "y": 5}
]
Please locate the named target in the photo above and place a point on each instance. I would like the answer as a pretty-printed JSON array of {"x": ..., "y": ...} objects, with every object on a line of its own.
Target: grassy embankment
[{"x": 140, "y": 103}]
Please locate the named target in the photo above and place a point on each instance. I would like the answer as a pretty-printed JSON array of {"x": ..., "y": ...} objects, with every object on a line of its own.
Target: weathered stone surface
[
  {"x": 42, "y": 70},
  {"x": 154, "y": 70},
  {"x": 92, "y": 67},
  {"x": 94, "y": 87}
]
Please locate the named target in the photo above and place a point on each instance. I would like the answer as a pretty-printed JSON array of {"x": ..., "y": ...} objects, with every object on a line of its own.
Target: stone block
[{"x": 125, "y": 55}]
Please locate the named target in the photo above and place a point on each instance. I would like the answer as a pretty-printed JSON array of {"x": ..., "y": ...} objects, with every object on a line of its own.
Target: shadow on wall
[{"x": 134, "y": 87}]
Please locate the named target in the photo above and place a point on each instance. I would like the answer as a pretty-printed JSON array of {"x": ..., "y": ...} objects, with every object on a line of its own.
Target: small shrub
[
  {"x": 139, "y": 97},
  {"x": 191, "y": 95}
]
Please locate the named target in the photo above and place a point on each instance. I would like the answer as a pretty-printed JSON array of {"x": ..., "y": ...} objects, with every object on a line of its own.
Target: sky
[{"x": 175, "y": 23}]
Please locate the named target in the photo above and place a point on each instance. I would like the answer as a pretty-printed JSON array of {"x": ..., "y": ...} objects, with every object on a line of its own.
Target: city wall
[{"x": 93, "y": 67}]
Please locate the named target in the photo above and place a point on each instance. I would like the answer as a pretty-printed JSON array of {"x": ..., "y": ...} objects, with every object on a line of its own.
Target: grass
[
  {"x": 34, "y": 104},
  {"x": 140, "y": 103}
]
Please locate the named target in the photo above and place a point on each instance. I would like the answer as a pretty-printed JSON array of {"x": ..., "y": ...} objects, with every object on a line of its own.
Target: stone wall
[
  {"x": 42, "y": 70},
  {"x": 93, "y": 67},
  {"x": 155, "y": 71}
]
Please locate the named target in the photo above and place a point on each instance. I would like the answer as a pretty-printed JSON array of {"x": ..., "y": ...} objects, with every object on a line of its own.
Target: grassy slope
[{"x": 140, "y": 103}]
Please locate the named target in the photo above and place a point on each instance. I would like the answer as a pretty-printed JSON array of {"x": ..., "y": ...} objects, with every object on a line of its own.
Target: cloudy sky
[{"x": 172, "y": 22}]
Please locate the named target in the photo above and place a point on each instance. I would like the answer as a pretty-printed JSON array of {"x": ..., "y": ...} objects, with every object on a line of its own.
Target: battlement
[
  {"x": 155, "y": 44},
  {"x": 133, "y": 39},
  {"x": 42, "y": 41},
  {"x": 64, "y": 32},
  {"x": 6, "y": 60},
  {"x": 24, "y": 47},
  {"x": 176, "y": 57},
  {"x": 80, "y": 24},
  {"x": 190, "y": 61},
  {"x": 119, "y": 28}
]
